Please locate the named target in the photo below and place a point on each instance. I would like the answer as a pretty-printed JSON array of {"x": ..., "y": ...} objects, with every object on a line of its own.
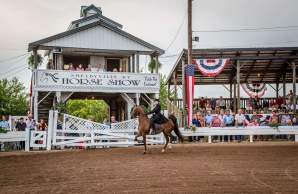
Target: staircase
[{"x": 45, "y": 100}]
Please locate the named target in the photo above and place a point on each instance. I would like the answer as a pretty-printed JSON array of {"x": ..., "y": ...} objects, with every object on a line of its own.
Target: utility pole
[{"x": 189, "y": 28}]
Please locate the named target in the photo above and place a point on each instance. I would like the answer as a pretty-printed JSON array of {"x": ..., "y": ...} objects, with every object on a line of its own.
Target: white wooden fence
[{"x": 72, "y": 131}]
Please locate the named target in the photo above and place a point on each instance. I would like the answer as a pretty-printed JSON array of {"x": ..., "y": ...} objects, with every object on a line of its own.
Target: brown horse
[{"x": 166, "y": 128}]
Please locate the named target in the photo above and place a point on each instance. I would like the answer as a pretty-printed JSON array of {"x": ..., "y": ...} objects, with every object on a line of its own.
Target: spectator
[
  {"x": 113, "y": 119},
  {"x": 286, "y": 119},
  {"x": 4, "y": 123},
  {"x": 201, "y": 119},
  {"x": 208, "y": 119},
  {"x": 21, "y": 125},
  {"x": 295, "y": 121},
  {"x": 208, "y": 106},
  {"x": 213, "y": 103},
  {"x": 279, "y": 102},
  {"x": 240, "y": 119},
  {"x": 255, "y": 119},
  {"x": 30, "y": 123},
  {"x": 202, "y": 103},
  {"x": 273, "y": 120},
  {"x": 80, "y": 68},
  {"x": 228, "y": 119},
  {"x": 71, "y": 67},
  {"x": 265, "y": 105},
  {"x": 216, "y": 122},
  {"x": 290, "y": 97},
  {"x": 115, "y": 70},
  {"x": 221, "y": 103},
  {"x": 195, "y": 121},
  {"x": 42, "y": 126}
]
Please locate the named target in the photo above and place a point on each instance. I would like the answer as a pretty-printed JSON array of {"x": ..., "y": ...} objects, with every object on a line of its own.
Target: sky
[{"x": 160, "y": 22}]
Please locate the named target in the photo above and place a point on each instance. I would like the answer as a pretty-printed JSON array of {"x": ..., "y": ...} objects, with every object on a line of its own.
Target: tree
[
  {"x": 31, "y": 61},
  {"x": 163, "y": 93},
  {"x": 13, "y": 98},
  {"x": 96, "y": 110},
  {"x": 153, "y": 65}
]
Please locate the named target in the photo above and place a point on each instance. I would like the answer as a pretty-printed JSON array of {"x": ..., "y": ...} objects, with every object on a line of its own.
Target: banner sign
[
  {"x": 254, "y": 89},
  {"x": 211, "y": 67},
  {"x": 88, "y": 81}
]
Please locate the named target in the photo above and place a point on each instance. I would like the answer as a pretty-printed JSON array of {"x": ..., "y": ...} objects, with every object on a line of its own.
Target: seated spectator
[
  {"x": 295, "y": 121},
  {"x": 4, "y": 123},
  {"x": 115, "y": 70},
  {"x": 195, "y": 121},
  {"x": 216, "y": 122},
  {"x": 286, "y": 119},
  {"x": 240, "y": 119},
  {"x": 200, "y": 119},
  {"x": 208, "y": 119},
  {"x": 273, "y": 120},
  {"x": 255, "y": 119},
  {"x": 221, "y": 116},
  {"x": 228, "y": 119}
]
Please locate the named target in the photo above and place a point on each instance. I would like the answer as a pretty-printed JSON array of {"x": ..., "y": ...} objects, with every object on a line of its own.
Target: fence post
[
  {"x": 209, "y": 139},
  {"x": 27, "y": 141},
  {"x": 251, "y": 138},
  {"x": 55, "y": 121},
  {"x": 50, "y": 130},
  {"x": 296, "y": 137}
]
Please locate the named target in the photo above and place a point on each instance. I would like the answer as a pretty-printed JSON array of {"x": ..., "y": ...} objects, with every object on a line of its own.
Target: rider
[{"x": 157, "y": 116}]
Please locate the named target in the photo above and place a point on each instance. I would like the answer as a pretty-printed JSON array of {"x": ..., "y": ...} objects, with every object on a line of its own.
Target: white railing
[{"x": 245, "y": 131}]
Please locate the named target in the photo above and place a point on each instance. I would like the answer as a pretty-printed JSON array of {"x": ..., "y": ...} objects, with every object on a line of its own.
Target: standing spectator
[
  {"x": 208, "y": 119},
  {"x": 202, "y": 103},
  {"x": 21, "y": 125},
  {"x": 213, "y": 103},
  {"x": 208, "y": 106},
  {"x": 80, "y": 68},
  {"x": 265, "y": 105},
  {"x": 290, "y": 97},
  {"x": 221, "y": 103},
  {"x": 113, "y": 119},
  {"x": 4, "y": 123},
  {"x": 30, "y": 123},
  {"x": 279, "y": 102},
  {"x": 42, "y": 126},
  {"x": 255, "y": 103}
]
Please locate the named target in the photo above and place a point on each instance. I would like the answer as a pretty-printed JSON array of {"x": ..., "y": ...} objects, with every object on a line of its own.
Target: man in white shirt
[{"x": 240, "y": 119}]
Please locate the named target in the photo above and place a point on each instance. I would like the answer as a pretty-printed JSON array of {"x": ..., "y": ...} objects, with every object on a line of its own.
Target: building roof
[
  {"x": 266, "y": 65},
  {"x": 42, "y": 44}
]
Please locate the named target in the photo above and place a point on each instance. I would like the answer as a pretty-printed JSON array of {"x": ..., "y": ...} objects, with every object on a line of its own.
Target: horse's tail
[{"x": 176, "y": 128}]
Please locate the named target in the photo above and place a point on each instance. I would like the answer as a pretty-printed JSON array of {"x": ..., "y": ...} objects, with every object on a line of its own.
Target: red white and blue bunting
[
  {"x": 254, "y": 89},
  {"x": 211, "y": 67}
]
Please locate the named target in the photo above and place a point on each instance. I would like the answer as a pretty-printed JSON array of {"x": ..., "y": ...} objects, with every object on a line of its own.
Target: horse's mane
[{"x": 139, "y": 110}]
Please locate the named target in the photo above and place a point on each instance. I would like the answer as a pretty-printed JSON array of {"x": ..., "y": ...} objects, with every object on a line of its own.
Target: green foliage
[
  {"x": 96, "y": 110},
  {"x": 152, "y": 65},
  {"x": 3, "y": 130},
  {"x": 31, "y": 61},
  {"x": 13, "y": 98},
  {"x": 163, "y": 93}
]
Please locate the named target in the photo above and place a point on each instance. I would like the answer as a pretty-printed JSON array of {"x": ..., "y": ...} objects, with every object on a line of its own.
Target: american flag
[{"x": 190, "y": 79}]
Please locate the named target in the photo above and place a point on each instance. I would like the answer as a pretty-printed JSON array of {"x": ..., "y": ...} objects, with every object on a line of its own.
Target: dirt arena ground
[{"x": 187, "y": 168}]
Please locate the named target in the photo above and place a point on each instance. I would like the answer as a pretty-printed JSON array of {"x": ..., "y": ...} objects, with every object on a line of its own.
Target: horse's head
[{"x": 137, "y": 111}]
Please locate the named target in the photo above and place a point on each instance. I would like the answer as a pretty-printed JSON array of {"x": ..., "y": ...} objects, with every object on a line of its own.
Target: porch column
[
  {"x": 137, "y": 63},
  {"x": 234, "y": 101},
  {"x": 231, "y": 92},
  {"x": 294, "y": 85},
  {"x": 284, "y": 86},
  {"x": 35, "y": 58},
  {"x": 129, "y": 64},
  {"x": 137, "y": 99},
  {"x": 175, "y": 87},
  {"x": 183, "y": 91},
  {"x": 277, "y": 89},
  {"x": 157, "y": 64},
  {"x": 35, "y": 107},
  {"x": 238, "y": 84},
  {"x": 133, "y": 61}
]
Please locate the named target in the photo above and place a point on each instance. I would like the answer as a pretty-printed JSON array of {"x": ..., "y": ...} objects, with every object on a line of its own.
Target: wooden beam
[
  {"x": 238, "y": 84},
  {"x": 251, "y": 68},
  {"x": 294, "y": 85}
]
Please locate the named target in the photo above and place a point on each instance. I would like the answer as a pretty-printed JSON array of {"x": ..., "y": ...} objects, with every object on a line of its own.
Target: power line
[
  {"x": 178, "y": 31},
  {"x": 12, "y": 68},
  {"x": 276, "y": 28},
  {"x": 14, "y": 57}
]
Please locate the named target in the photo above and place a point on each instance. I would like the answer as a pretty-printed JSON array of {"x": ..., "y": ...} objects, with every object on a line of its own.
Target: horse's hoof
[
  {"x": 170, "y": 146},
  {"x": 163, "y": 150},
  {"x": 144, "y": 152}
]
